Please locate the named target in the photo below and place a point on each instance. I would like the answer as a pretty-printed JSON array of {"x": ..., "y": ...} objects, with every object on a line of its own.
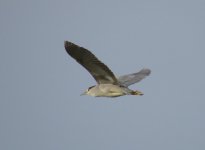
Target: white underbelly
[{"x": 110, "y": 90}]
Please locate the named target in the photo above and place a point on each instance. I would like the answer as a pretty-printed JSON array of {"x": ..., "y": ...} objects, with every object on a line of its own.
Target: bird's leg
[{"x": 136, "y": 93}]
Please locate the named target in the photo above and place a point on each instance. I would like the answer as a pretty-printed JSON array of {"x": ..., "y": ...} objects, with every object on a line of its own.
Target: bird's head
[{"x": 87, "y": 91}]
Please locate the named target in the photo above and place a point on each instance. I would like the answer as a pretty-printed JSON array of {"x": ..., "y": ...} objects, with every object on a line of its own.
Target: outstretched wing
[
  {"x": 129, "y": 79},
  {"x": 101, "y": 73}
]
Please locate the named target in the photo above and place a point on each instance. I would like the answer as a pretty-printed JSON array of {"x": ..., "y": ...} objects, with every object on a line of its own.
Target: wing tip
[
  {"x": 146, "y": 71},
  {"x": 67, "y": 44},
  {"x": 70, "y": 47}
]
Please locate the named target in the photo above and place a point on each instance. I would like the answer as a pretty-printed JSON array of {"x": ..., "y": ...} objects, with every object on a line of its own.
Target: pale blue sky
[{"x": 40, "y": 103}]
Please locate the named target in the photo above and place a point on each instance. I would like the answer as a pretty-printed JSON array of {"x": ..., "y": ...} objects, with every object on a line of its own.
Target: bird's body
[
  {"x": 108, "y": 85},
  {"x": 108, "y": 90}
]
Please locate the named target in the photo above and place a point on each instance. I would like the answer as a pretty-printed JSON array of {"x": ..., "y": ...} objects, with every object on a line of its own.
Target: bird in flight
[{"x": 108, "y": 85}]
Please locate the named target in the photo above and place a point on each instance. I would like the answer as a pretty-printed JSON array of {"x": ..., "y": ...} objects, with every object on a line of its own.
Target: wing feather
[
  {"x": 130, "y": 79},
  {"x": 100, "y": 72}
]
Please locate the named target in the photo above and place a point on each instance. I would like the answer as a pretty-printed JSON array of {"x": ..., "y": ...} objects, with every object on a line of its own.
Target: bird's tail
[{"x": 136, "y": 93}]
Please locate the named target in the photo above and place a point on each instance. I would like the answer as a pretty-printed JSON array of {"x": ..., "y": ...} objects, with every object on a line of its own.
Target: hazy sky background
[{"x": 40, "y": 85}]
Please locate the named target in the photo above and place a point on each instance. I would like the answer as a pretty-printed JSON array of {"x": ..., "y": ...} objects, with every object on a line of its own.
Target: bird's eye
[{"x": 90, "y": 88}]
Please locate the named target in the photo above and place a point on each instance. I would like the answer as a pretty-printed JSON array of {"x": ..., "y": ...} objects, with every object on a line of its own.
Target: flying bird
[{"x": 108, "y": 85}]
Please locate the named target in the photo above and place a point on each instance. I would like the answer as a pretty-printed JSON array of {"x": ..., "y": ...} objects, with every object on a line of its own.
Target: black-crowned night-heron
[{"x": 108, "y": 85}]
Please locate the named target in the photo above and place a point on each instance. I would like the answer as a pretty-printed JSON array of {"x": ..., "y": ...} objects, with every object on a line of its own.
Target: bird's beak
[{"x": 84, "y": 93}]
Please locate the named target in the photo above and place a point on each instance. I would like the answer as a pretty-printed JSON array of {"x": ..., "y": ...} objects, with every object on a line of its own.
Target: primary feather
[
  {"x": 100, "y": 72},
  {"x": 127, "y": 80}
]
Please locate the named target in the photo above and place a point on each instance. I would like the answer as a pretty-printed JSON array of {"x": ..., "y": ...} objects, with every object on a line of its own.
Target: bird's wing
[
  {"x": 101, "y": 73},
  {"x": 129, "y": 79}
]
